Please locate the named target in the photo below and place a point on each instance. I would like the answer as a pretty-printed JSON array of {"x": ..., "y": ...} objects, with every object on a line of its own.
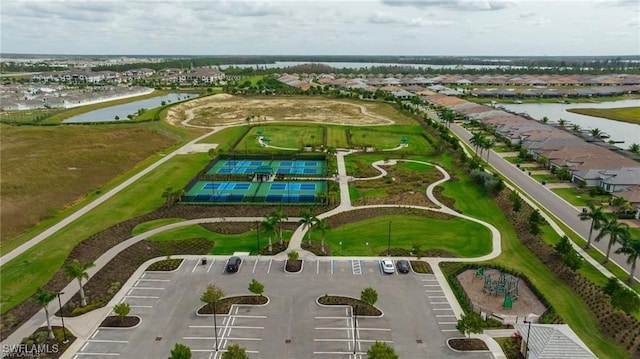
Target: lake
[
  {"x": 619, "y": 131},
  {"x": 122, "y": 111}
]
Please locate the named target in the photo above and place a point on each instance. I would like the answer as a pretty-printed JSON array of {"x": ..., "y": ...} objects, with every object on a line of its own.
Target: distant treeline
[{"x": 530, "y": 65}]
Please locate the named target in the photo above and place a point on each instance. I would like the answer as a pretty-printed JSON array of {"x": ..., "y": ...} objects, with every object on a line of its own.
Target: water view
[
  {"x": 122, "y": 111},
  {"x": 619, "y": 131}
]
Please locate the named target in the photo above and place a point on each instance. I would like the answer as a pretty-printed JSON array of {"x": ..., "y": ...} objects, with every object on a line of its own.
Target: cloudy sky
[{"x": 304, "y": 27}]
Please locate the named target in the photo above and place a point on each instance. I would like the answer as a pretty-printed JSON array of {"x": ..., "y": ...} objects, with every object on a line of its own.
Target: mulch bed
[
  {"x": 468, "y": 344},
  {"x": 166, "y": 265},
  {"x": 356, "y": 304},
  {"x": 37, "y": 343},
  {"x": 315, "y": 247},
  {"x": 117, "y": 322},
  {"x": 421, "y": 267},
  {"x": 224, "y": 305},
  {"x": 293, "y": 266}
]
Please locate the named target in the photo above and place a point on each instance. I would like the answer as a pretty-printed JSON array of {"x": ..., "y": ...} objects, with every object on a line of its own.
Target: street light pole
[
  {"x": 64, "y": 330},
  {"x": 528, "y": 334},
  {"x": 389, "y": 244},
  {"x": 215, "y": 325}
]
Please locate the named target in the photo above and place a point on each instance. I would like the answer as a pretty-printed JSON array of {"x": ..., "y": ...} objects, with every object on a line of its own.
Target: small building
[{"x": 551, "y": 341}]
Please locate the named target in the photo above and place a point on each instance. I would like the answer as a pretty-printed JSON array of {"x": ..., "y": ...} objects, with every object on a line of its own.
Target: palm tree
[
  {"x": 278, "y": 216},
  {"x": 322, "y": 226},
  {"x": 487, "y": 144},
  {"x": 476, "y": 140},
  {"x": 307, "y": 219},
  {"x": 615, "y": 230},
  {"x": 596, "y": 132},
  {"x": 77, "y": 270},
  {"x": 576, "y": 128},
  {"x": 545, "y": 119},
  {"x": 562, "y": 122},
  {"x": 269, "y": 227},
  {"x": 43, "y": 298},
  {"x": 597, "y": 218},
  {"x": 630, "y": 247},
  {"x": 634, "y": 147}
]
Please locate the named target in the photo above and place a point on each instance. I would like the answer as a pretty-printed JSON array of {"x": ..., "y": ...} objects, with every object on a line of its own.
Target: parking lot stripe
[
  {"x": 220, "y": 350},
  {"x": 211, "y": 265},
  {"x": 351, "y": 340},
  {"x": 433, "y": 291},
  {"x": 84, "y": 346},
  {"x": 449, "y": 330},
  {"x": 332, "y": 317},
  {"x": 151, "y": 288},
  {"x": 153, "y": 280},
  {"x": 431, "y": 285},
  {"x": 436, "y": 296},
  {"x": 443, "y": 309},
  {"x": 226, "y": 338},
  {"x": 250, "y": 316},
  {"x": 269, "y": 268},
  {"x": 439, "y": 302},
  {"x": 95, "y": 333},
  {"x": 140, "y": 306},
  {"x": 332, "y": 266},
  {"x": 141, "y": 297},
  {"x": 443, "y": 323},
  {"x": 255, "y": 264},
  {"x": 445, "y": 316},
  {"x": 195, "y": 266},
  {"x": 106, "y": 341},
  {"x": 428, "y": 280}
]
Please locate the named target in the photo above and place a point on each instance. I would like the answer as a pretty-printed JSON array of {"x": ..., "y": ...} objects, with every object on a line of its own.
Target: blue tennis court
[
  {"x": 281, "y": 167},
  {"x": 292, "y": 186},
  {"x": 226, "y": 186}
]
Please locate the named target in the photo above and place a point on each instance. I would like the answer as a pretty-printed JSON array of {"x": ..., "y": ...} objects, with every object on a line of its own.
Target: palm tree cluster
[{"x": 480, "y": 143}]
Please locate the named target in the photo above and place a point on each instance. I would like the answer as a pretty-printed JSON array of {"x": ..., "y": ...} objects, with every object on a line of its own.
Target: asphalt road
[{"x": 546, "y": 198}]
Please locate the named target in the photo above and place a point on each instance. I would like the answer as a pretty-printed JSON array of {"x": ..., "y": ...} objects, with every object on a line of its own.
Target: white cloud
[
  {"x": 386, "y": 18},
  {"x": 464, "y": 5}
]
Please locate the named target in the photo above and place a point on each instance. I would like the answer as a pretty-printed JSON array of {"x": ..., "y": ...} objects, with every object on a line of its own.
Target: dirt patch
[
  {"x": 117, "y": 322},
  {"x": 226, "y": 109},
  {"x": 468, "y": 344},
  {"x": 421, "y": 267},
  {"x": 527, "y": 303},
  {"x": 293, "y": 266}
]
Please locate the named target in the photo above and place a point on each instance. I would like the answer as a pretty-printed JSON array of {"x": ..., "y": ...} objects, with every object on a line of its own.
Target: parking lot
[{"x": 417, "y": 318}]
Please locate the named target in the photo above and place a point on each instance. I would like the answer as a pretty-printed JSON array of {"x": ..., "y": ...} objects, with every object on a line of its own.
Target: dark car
[
  {"x": 403, "y": 266},
  {"x": 233, "y": 264}
]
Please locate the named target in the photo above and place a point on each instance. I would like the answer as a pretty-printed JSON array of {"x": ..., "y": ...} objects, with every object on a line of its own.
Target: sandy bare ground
[
  {"x": 526, "y": 305},
  {"x": 225, "y": 109}
]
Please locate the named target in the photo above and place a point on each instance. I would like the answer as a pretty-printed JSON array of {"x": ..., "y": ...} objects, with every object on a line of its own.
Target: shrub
[{"x": 293, "y": 255}]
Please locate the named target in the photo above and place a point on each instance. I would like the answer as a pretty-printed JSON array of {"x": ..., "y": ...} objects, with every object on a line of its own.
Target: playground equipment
[{"x": 506, "y": 285}]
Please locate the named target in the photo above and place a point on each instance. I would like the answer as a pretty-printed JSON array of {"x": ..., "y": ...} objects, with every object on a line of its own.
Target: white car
[{"x": 388, "y": 267}]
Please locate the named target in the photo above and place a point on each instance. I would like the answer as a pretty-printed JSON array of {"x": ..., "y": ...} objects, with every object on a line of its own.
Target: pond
[
  {"x": 619, "y": 131},
  {"x": 122, "y": 111}
]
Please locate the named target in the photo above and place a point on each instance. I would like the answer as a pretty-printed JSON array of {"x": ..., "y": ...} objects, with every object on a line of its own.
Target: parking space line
[
  {"x": 195, "y": 266},
  {"x": 439, "y": 302},
  {"x": 443, "y": 323},
  {"x": 151, "y": 288},
  {"x": 106, "y": 341},
  {"x": 431, "y": 285},
  {"x": 445, "y": 316},
  {"x": 333, "y": 317},
  {"x": 443, "y": 309},
  {"x": 153, "y": 280},
  {"x": 84, "y": 346},
  {"x": 141, "y": 297},
  {"x": 449, "y": 330},
  {"x": 140, "y": 306},
  {"x": 213, "y": 351},
  {"x": 255, "y": 264},
  {"x": 211, "y": 265},
  {"x": 318, "y": 267},
  {"x": 269, "y": 269},
  {"x": 95, "y": 333},
  {"x": 110, "y": 354},
  {"x": 351, "y": 340},
  {"x": 436, "y": 296},
  {"x": 220, "y": 338},
  {"x": 143, "y": 274},
  {"x": 433, "y": 291},
  {"x": 251, "y": 316},
  {"x": 333, "y": 266}
]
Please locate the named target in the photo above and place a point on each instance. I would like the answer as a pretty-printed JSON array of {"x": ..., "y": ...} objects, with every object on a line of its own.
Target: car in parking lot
[
  {"x": 387, "y": 266},
  {"x": 403, "y": 266},
  {"x": 233, "y": 264}
]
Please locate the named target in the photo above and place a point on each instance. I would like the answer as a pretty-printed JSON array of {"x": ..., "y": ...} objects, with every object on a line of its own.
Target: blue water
[{"x": 122, "y": 111}]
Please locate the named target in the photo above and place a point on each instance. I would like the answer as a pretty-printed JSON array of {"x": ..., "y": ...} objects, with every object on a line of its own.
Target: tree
[
  {"x": 516, "y": 200},
  {"x": 476, "y": 140},
  {"x": 322, "y": 226},
  {"x": 545, "y": 119},
  {"x": 596, "y": 132},
  {"x": 562, "y": 122},
  {"x": 307, "y": 220},
  {"x": 597, "y": 217},
  {"x": 381, "y": 350},
  {"x": 576, "y": 128},
  {"x": 369, "y": 296},
  {"x": 615, "y": 230},
  {"x": 256, "y": 287},
  {"x": 634, "y": 147},
  {"x": 471, "y": 323},
  {"x": 211, "y": 295},
  {"x": 268, "y": 226},
  {"x": 235, "y": 351},
  {"x": 77, "y": 270},
  {"x": 564, "y": 245},
  {"x": 180, "y": 351},
  {"x": 487, "y": 144},
  {"x": 122, "y": 310},
  {"x": 278, "y": 216},
  {"x": 293, "y": 255},
  {"x": 43, "y": 298},
  {"x": 626, "y": 300},
  {"x": 630, "y": 247}
]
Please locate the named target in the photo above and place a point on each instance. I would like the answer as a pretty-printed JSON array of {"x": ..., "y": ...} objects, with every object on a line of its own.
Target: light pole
[
  {"x": 64, "y": 330},
  {"x": 528, "y": 334},
  {"x": 355, "y": 328},
  {"x": 215, "y": 324},
  {"x": 389, "y": 243}
]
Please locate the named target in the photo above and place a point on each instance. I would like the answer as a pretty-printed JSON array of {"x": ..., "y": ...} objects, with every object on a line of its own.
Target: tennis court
[
  {"x": 281, "y": 167},
  {"x": 209, "y": 192}
]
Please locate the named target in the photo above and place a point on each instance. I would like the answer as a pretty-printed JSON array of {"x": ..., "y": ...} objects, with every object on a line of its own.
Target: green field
[
  {"x": 147, "y": 226},
  {"x": 384, "y": 140},
  {"x": 337, "y": 137},
  {"x": 282, "y": 136},
  {"x": 459, "y": 236},
  {"x": 576, "y": 198},
  {"x": 226, "y": 137},
  {"x": 622, "y": 114}
]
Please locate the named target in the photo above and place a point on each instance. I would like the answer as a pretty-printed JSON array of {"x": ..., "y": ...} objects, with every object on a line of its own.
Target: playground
[{"x": 502, "y": 296}]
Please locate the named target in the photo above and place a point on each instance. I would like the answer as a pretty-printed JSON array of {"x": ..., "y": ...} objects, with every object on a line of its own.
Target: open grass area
[
  {"x": 579, "y": 199},
  {"x": 147, "y": 226},
  {"x": 623, "y": 114},
  {"x": 224, "y": 244},
  {"x": 287, "y": 136},
  {"x": 21, "y": 276},
  {"x": 226, "y": 137},
  {"x": 370, "y": 237},
  {"x": 382, "y": 139},
  {"x": 47, "y": 168},
  {"x": 337, "y": 137},
  {"x": 515, "y": 255}
]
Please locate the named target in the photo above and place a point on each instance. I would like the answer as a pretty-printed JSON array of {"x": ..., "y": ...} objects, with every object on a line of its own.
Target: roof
[{"x": 553, "y": 341}]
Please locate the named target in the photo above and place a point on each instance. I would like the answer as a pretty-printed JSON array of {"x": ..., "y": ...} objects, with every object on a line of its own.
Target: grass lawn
[
  {"x": 21, "y": 276},
  {"x": 224, "y": 244},
  {"x": 147, "y": 226},
  {"x": 226, "y": 137},
  {"x": 282, "y": 136},
  {"x": 337, "y": 137},
  {"x": 461, "y": 237},
  {"x": 623, "y": 114},
  {"x": 515, "y": 255},
  {"x": 382, "y": 139},
  {"x": 576, "y": 198}
]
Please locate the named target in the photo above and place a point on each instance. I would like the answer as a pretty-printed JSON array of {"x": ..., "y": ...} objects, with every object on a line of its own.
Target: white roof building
[{"x": 552, "y": 341}]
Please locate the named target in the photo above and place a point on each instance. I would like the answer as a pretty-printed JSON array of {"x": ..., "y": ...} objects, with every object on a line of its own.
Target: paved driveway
[{"x": 417, "y": 318}]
